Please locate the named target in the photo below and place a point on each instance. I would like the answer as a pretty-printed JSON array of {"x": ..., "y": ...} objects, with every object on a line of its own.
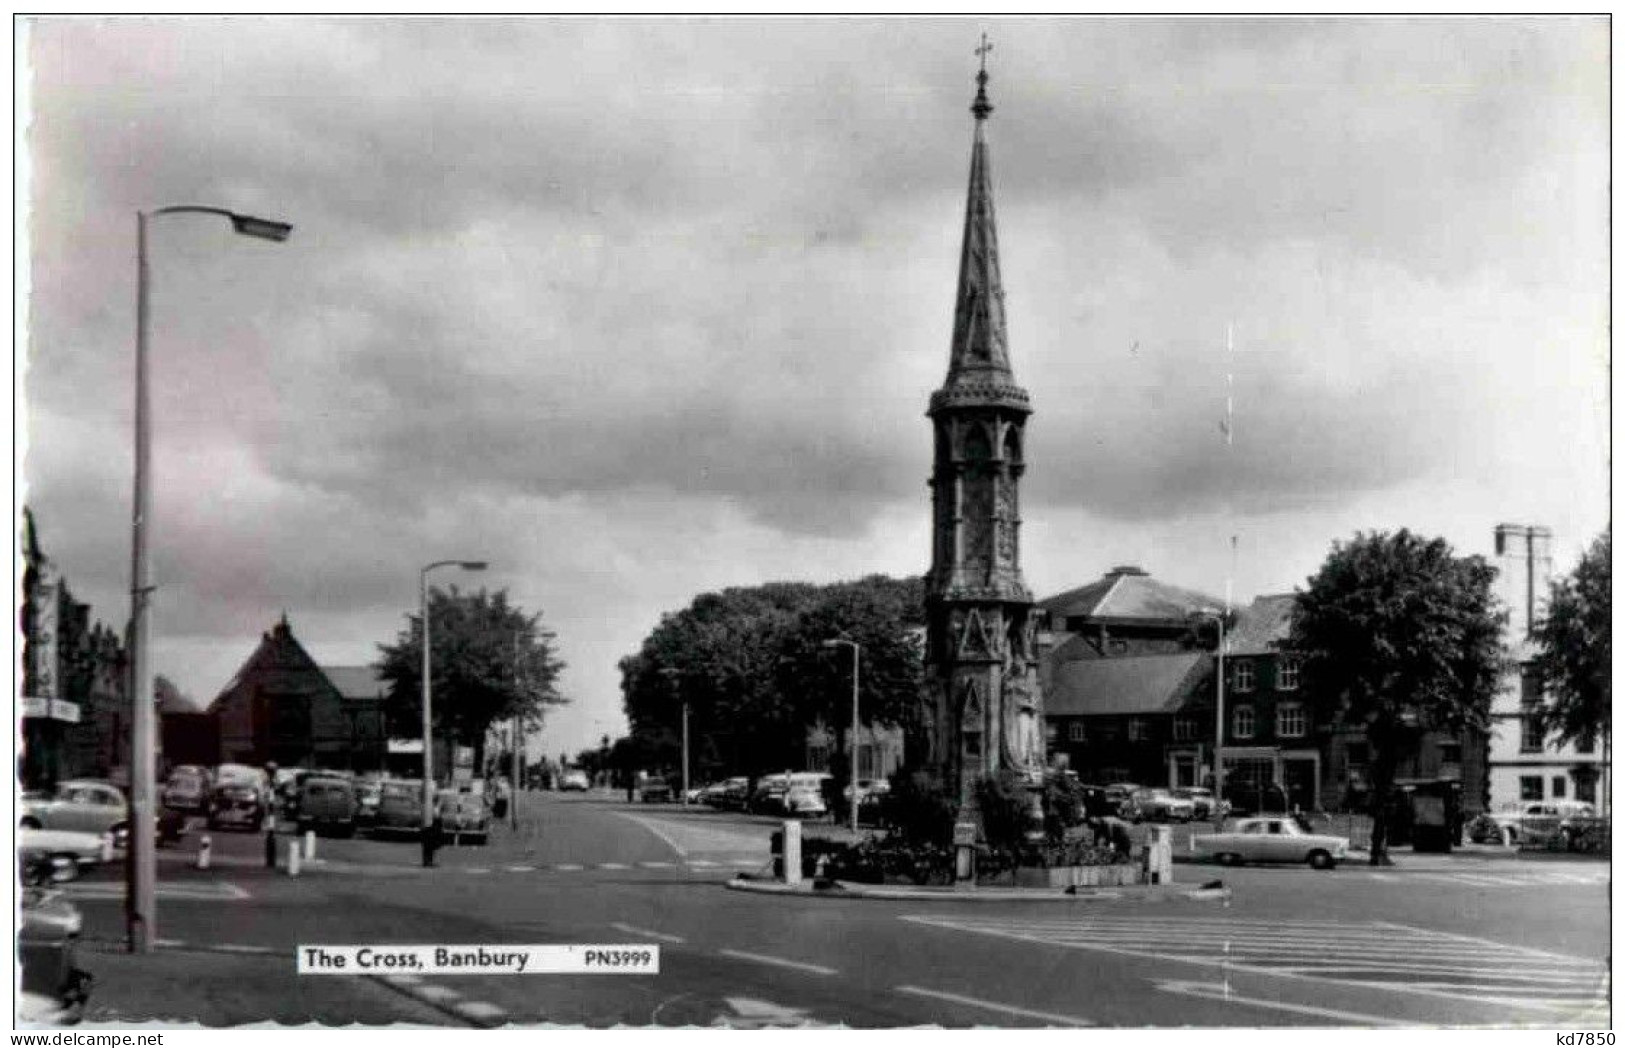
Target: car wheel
[
  {"x": 1321, "y": 860},
  {"x": 1227, "y": 859}
]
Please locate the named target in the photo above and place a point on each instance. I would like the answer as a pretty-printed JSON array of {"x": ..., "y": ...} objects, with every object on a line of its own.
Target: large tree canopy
[
  {"x": 750, "y": 664},
  {"x": 1574, "y": 663},
  {"x": 490, "y": 661},
  {"x": 1404, "y": 637}
]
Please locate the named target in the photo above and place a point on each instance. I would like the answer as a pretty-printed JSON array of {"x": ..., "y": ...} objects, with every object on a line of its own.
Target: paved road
[{"x": 1432, "y": 941}]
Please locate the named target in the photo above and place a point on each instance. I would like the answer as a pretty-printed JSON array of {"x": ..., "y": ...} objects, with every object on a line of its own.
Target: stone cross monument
[{"x": 984, "y": 708}]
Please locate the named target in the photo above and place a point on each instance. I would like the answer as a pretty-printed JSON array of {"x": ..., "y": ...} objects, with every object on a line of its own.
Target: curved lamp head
[
  {"x": 472, "y": 565},
  {"x": 263, "y": 228}
]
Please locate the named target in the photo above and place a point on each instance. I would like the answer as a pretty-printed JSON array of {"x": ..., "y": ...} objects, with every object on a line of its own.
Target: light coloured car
[
  {"x": 803, "y": 800},
  {"x": 462, "y": 815},
  {"x": 87, "y": 805},
  {"x": 84, "y": 849},
  {"x": 187, "y": 790},
  {"x": 575, "y": 779},
  {"x": 1539, "y": 819},
  {"x": 1158, "y": 804},
  {"x": 1277, "y": 839}
]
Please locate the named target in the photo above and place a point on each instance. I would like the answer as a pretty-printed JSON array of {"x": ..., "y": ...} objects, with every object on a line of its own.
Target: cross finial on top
[{"x": 982, "y": 107}]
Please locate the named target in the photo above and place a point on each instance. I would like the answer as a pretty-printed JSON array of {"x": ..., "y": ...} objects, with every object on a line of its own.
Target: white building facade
[{"x": 1524, "y": 765}]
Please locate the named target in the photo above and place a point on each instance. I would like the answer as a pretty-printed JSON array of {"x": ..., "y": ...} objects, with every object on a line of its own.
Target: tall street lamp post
[
  {"x": 428, "y": 689},
  {"x": 852, "y": 745},
  {"x": 141, "y": 886},
  {"x": 672, "y": 674},
  {"x": 1218, "y": 722}
]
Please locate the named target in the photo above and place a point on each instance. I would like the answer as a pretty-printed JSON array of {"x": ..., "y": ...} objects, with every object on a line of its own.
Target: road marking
[
  {"x": 402, "y": 980},
  {"x": 1461, "y": 968},
  {"x": 232, "y": 947},
  {"x": 762, "y": 958},
  {"x": 477, "y": 869},
  {"x": 568, "y": 867},
  {"x": 752, "y": 1014},
  {"x": 613, "y": 866},
  {"x": 205, "y": 891},
  {"x": 520, "y": 869},
  {"x": 657, "y": 865},
  {"x": 1380, "y": 877},
  {"x": 658, "y": 832},
  {"x": 993, "y": 1006},
  {"x": 646, "y": 933},
  {"x": 438, "y": 994},
  {"x": 703, "y": 862},
  {"x": 1220, "y": 992}
]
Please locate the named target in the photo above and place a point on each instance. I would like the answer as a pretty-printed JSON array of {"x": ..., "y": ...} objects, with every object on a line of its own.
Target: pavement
[{"x": 1436, "y": 940}]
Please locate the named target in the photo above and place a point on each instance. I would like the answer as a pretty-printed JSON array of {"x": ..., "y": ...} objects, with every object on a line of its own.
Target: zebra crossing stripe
[
  {"x": 656, "y": 865},
  {"x": 568, "y": 867},
  {"x": 613, "y": 866},
  {"x": 520, "y": 869}
]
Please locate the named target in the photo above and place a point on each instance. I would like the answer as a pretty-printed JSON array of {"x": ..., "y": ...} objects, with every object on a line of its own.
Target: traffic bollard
[
  {"x": 293, "y": 857},
  {"x": 310, "y": 845},
  {"x": 792, "y": 851},
  {"x": 204, "y": 846},
  {"x": 107, "y": 848}
]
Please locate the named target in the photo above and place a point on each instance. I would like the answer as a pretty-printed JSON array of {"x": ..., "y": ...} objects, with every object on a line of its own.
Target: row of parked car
[
  {"x": 1137, "y": 803},
  {"x": 803, "y": 794}
]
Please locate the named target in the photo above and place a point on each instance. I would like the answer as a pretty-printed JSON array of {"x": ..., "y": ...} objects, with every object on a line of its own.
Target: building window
[
  {"x": 1586, "y": 744},
  {"x": 1450, "y": 753},
  {"x": 1244, "y": 675},
  {"x": 1531, "y": 788},
  {"x": 1184, "y": 729},
  {"x": 1075, "y": 732},
  {"x": 1289, "y": 721},
  {"x": 1137, "y": 729},
  {"x": 1287, "y": 679},
  {"x": 1530, "y": 737},
  {"x": 1560, "y": 787},
  {"x": 1241, "y": 724},
  {"x": 1585, "y": 790}
]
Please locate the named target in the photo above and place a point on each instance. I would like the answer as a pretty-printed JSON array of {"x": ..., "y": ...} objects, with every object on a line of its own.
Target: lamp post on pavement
[
  {"x": 1218, "y": 723},
  {"x": 672, "y": 675},
  {"x": 141, "y": 889},
  {"x": 852, "y": 746},
  {"x": 428, "y": 700}
]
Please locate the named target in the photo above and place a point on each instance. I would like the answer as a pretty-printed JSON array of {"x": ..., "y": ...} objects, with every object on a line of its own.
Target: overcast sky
[{"x": 638, "y": 309}]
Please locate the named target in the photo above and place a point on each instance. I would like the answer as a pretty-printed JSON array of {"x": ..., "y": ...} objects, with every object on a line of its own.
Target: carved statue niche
[{"x": 1023, "y": 739}]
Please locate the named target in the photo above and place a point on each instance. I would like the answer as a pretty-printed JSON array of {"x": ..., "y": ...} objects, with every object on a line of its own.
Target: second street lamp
[
  {"x": 428, "y": 709},
  {"x": 142, "y": 873},
  {"x": 852, "y": 746},
  {"x": 1218, "y": 720}
]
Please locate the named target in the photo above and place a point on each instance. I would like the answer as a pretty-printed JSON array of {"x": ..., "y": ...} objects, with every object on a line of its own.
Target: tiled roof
[
  {"x": 1131, "y": 684},
  {"x": 1262, "y": 627},
  {"x": 1128, "y": 593},
  {"x": 356, "y": 682}
]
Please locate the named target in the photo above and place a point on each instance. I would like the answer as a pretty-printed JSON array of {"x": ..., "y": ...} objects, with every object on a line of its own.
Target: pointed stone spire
[{"x": 979, "y": 356}]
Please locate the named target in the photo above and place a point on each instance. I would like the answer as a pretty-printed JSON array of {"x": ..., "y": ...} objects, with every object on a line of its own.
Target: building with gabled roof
[{"x": 281, "y": 706}]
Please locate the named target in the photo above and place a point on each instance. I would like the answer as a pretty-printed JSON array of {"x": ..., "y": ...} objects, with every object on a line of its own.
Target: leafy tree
[
  {"x": 1574, "y": 664},
  {"x": 1404, "y": 637},
  {"x": 490, "y": 659}
]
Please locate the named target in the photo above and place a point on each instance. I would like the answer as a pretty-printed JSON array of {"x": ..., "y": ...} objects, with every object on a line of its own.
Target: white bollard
[
  {"x": 310, "y": 845},
  {"x": 792, "y": 851},
  {"x": 293, "y": 858},
  {"x": 204, "y": 846},
  {"x": 1161, "y": 846},
  {"x": 107, "y": 847}
]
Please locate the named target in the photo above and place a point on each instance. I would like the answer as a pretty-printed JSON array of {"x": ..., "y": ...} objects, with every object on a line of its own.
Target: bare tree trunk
[{"x": 1383, "y": 765}]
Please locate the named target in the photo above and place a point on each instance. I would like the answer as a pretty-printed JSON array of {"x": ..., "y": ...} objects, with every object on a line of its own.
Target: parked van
[{"x": 327, "y": 802}]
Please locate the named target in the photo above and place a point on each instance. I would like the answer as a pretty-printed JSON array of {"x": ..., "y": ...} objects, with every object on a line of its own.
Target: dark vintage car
[
  {"x": 239, "y": 804},
  {"x": 187, "y": 790},
  {"x": 655, "y": 789},
  {"x": 327, "y": 802},
  {"x": 368, "y": 793},
  {"x": 400, "y": 807},
  {"x": 462, "y": 815}
]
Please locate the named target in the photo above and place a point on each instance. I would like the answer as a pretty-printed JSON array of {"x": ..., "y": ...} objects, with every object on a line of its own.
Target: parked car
[
  {"x": 368, "y": 791},
  {"x": 768, "y": 796},
  {"x": 711, "y": 795},
  {"x": 400, "y": 806},
  {"x": 654, "y": 789},
  {"x": 87, "y": 805},
  {"x": 187, "y": 790},
  {"x": 238, "y": 802},
  {"x": 1158, "y": 804},
  {"x": 53, "y": 987},
  {"x": 575, "y": 779},
  {"x": 1517, "y": 823},
  {"x": 1277, "y": 839},
  {"x": 735, "y": 794},
  {"x": 462, "y": 815},
  {"x": 1118, "y": 795},
  {"x": 327, "y": 802},
  {"x": 81, "y": 849},
  {"x": 804, "y": 800},
  {"x": 1202, "y": 801}
]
